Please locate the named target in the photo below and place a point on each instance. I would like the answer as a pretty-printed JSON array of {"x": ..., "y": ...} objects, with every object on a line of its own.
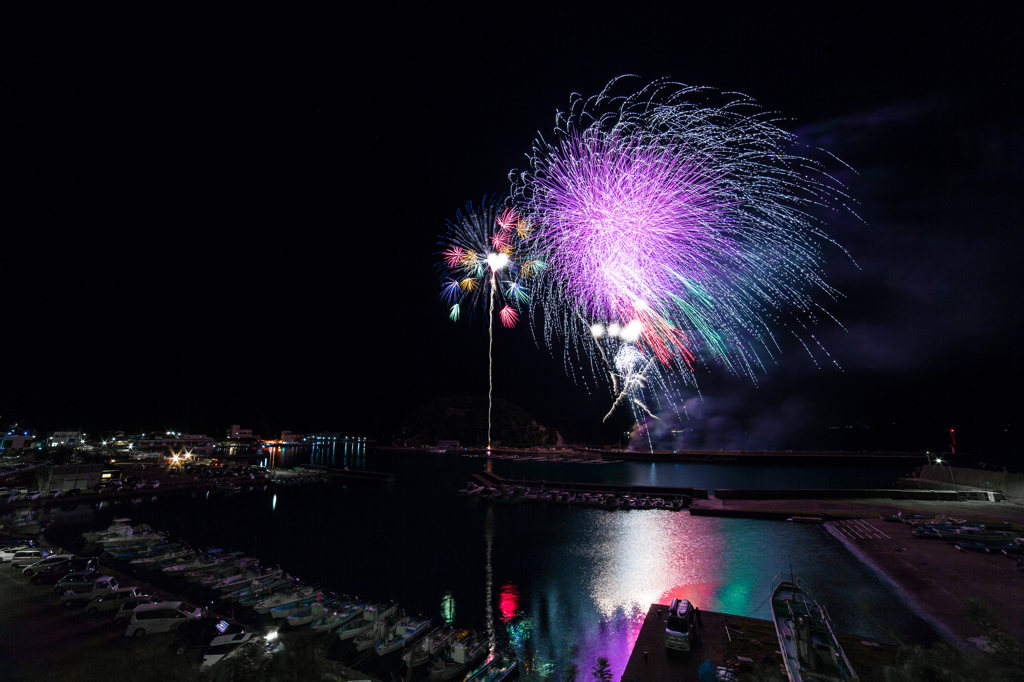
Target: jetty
[
  {"x": 489, "y": 479},
  {"x": 734, "y": 643}
]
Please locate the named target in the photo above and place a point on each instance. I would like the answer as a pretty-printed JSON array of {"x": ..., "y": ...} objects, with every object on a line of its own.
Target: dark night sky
[{"x": 231, "y": 217}]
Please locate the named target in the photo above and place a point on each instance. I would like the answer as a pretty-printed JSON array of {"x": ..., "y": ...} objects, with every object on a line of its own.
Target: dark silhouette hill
[{"x": 464, "y": 418}]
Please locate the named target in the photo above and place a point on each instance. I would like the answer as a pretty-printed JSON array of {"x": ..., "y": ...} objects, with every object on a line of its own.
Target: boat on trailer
[{"x": 810, "y": 647}]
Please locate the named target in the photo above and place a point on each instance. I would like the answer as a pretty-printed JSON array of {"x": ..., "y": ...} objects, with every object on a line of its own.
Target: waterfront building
[
  {"x": 175, "y": 442},
  {"x": 69, "y": 438},
  {"x": 17, "y": 443},
  {"x": 68, "y": 476},
  {"x": 238, "y": 433}
]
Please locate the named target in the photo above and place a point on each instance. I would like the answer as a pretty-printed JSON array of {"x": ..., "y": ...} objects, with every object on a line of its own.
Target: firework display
[
  {"x": 674, "y": 234},
  {"x": 482, "y": 261}
]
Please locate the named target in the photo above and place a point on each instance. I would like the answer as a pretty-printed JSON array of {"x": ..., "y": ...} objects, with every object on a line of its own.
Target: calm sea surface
[{"x": 556, "y": 583}]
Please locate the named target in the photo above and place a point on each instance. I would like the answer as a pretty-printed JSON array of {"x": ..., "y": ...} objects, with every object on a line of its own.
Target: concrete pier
[{"x": 734, "y": 642}]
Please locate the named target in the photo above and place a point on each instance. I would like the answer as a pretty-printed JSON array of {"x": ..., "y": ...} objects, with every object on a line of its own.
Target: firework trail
[
  {"x": 481, "y": 262},
  {"x": 674, "y": 234}
]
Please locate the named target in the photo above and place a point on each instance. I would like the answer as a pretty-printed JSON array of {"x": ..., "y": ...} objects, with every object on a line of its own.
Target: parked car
[
  {"x": 59, "y": 571},
  {"x": 200, "y": 632},
  {"x": 89, "y": 591},
  {"x": 25, "y": 557},
  {"x": 36, "y": 566},
  {"x": 73, "y": 580},
  {"x": 7, "y": 553},
  {"x": 163, "y": 617},
  {"x": 129, "y": 604},
  {"x": 111, "y": 601}
]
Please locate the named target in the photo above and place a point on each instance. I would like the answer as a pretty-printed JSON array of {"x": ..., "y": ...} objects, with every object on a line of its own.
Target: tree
[
  {"x": 602, "y": 671},
  {"x": 572, "y": 671}
]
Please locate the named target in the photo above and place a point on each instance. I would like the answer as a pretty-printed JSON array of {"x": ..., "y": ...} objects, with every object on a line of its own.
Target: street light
[{"x": 957, "y": 490}]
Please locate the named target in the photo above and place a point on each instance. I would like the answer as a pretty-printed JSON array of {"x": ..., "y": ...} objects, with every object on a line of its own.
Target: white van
[
  {"x": 36, "y": 566},
  {"x": 162, "y": 617},
  {"x": 27, "y": 557}
]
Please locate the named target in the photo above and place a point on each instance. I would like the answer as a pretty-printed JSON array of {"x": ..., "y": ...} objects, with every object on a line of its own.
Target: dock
[
  {"x": 488, "y": 479},
  {"x": 366, "y": 477},
  {"x": 735, "y": 642}
]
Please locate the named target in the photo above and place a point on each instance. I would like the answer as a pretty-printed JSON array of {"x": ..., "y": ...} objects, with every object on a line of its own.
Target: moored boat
[
  {"x": 332, "y": 621},
  {"x": 810, "y": 648},
  {"x": 501, "y": 668},
  {"x": 371, "y": 614},
  {"x": 402, "y": 634},
  {"x": 465, "y": 651}
]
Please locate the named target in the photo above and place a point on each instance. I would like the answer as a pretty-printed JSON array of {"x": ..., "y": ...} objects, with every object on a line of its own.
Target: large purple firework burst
[{"x": 673, "y": 233}]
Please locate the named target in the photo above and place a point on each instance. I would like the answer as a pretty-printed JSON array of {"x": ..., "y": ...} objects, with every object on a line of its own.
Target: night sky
[{"x": 232, "y": 217}]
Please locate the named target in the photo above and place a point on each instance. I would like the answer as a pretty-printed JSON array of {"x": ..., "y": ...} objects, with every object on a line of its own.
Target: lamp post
[{"x": 957, "y": 490}]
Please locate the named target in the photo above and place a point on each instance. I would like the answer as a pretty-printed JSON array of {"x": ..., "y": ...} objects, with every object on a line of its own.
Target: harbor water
[{"x": 559, "y": 584}]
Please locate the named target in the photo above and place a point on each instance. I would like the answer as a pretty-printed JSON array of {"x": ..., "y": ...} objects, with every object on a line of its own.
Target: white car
[
  {"x": 162, "y": 617},
  {"x": 26, "y": 557},
  {"x": 7, "y": 553}
]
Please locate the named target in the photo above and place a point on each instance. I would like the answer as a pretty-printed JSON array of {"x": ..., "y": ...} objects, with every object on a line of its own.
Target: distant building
[
  {"x": 68, "y": 476},
  {"x": 286, "y": 436},
  {"x": 185, "y": 441},
  {"x": 447, "y": 443},
  {"x": 17, "y": 442},
  {"x": 69, "y": 438},
  {"x": 236, "y": 433}
]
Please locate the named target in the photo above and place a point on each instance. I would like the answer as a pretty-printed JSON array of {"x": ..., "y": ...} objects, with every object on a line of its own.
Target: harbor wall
[
  {"x": 831, "y": 494},
  {"x": 1011, "y": 485}
]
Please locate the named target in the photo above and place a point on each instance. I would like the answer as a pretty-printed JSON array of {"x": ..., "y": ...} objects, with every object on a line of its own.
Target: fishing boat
[
  {"x": 332, "y": 621},
  {"x": 428, "y": 647},
  {"x": 318, "y": 609},
  {"x": 465, "y": 651},
  {"x": 402, "y": 634},
  {"x": 118, "y": 528},
  {"x": 246, "y": 572},
  {"x": 369, "y": 637},
  {"x": 258, "y": 588},
  {"x": 810, "y": 647},
  {"x": 283, "y": 598},
  {"x": 371, "y": 614},
  {"x": 501, "y": 668},
  {"x": 288, "y": 608}
]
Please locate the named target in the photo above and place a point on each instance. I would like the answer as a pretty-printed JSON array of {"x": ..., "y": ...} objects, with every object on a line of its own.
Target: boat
[
  {"x": 333, "y": 621},
  {"x": 203, "y": 574},
  {"x": 258, "y": 586},
  {"x": 431, "y": 644},
  {"x": 371, "y": 614},
  {"x": 212, "y": 558},
  {"x": 117, "y": 528},
  {"x": 288, "y": 608},
  {"x": 312, "y": 612},
  {"x": 462, "y": 654},
  {"x": 370, "y": 636},
  {"x": 282, "y": 599},
  {"x": 231, "y": 575},
  {"x": 501, "y": 668},
  {"x": 255, "y": 596},
  {"x": 152, "y": 559},
  {"x": 402, "y": 634},
  {"x": 248, "y": 575},
  {"x": 811, "y": 650}
]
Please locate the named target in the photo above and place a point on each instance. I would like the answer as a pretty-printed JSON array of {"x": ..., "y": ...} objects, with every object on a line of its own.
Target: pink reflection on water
[
  {"x": 646, "y": 558},
  {"x": 509, "y": 602}
]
